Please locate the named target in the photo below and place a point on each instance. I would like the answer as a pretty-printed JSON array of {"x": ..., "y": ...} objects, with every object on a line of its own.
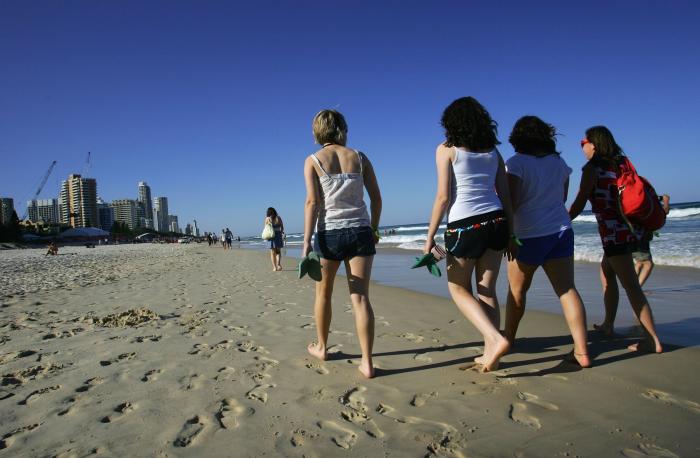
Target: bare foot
[
  {"x": 582, "y": 359},
  {"x": 317, "y": 351},
  {"x": 479, "y": 359},
  {"x": 648, "y": 346},
  {"x": 278, "y": 268},
  {"x": 493, "y": 352},
  {"x": 366, "y": 369},
  {"x": 605, "y": 329}
]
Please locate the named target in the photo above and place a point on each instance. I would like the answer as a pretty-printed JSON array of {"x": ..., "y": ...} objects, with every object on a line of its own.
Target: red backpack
[{"x": 639, "y": 203}]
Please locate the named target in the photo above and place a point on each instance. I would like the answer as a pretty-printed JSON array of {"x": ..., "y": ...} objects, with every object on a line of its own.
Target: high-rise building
[
  {"x": 7, "y": 207},
  {"x": 174, "y": 227},
  {"x": 106, "y": 215},
  {"x": 125, "y": 212},
  {"x": 160, "y": 205},
  {"x": 195, "y": 229},
  {"x": 145, "y": 200},
  {"x": 46, "y": 210},
  {"x": 140, "y": 214},
  {"x": 79, "y": 202},
  {"x": 188, "y": 229}
]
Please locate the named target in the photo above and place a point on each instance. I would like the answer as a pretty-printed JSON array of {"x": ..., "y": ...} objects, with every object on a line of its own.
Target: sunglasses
[{"x": 584, "y": 142}]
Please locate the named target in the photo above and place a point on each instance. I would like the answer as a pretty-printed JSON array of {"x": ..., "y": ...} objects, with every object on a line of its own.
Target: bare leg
[
  {"x": 322, "y": 309},
  {"x": 459, "y": 273},
  {"x": 359, "y": 270},
  {"x": 611, "y": 297},
  {"x": 278, "y": 259},
  {"x": 644, "y": 269},
  {"x": 561, "y": 275},
  {"x": 519, "y": 280},
  {"x": 272, "y": 259},
  {"x": 624, "y": 269},
  {"x": 486, "y": 270}
]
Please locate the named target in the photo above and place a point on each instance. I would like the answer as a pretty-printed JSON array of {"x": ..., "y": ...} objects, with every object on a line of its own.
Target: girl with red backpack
[{"x": 599, "y": 186}]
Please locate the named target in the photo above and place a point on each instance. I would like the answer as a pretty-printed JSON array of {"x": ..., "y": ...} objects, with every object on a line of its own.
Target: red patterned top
[{"x": 612, "y": 227}]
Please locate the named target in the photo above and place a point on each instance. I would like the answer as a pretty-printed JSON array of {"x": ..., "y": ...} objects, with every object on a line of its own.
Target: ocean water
[{"x": 678, "y": 243}]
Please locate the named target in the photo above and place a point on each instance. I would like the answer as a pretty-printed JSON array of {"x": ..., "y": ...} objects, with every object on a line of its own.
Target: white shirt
[
  {"x": 541, "y": 210},
  {"x": 473, "y": 185}
]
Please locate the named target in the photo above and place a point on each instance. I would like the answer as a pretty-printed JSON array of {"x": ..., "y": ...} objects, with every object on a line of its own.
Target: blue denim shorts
[
  {"x": 537, "y": 250},
  {"x": 341, "y": 244}
]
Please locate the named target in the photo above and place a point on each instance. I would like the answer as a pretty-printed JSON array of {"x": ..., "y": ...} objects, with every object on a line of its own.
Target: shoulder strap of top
[
  {"x": 359, "y": 156},
  {"x": 318, "y": 163}
]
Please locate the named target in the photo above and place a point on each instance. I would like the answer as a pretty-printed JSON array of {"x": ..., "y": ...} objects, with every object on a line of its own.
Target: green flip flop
[
  {"x": 428, "y": 261},
  {"x": 310, "y": 264}
]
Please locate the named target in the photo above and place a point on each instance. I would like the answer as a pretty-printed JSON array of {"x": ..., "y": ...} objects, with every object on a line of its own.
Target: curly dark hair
[
  {"x": 468, "y": 125},
  {"x": 531, "y": 135},
  {"x": 606, "y": 148}
]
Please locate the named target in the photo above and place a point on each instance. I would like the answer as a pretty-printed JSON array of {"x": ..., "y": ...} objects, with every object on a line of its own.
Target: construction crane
[
  {"x": 86, "y": 169},
  {"x": 41, "y": 186}
]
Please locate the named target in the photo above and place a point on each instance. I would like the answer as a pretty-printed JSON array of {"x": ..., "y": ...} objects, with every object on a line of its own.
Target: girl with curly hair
[
  {"x": 472, "y": 188},
  {"x": 538, "y": 180}
]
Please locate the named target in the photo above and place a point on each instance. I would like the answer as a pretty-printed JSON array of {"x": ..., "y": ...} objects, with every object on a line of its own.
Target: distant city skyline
[{"x": 211, "y": 103}]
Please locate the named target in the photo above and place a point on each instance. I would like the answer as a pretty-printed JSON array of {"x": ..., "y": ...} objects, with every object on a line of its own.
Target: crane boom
[{"x": 41, "y": 185}]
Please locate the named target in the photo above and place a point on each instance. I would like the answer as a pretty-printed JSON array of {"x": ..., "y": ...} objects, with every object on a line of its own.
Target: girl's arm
[
  {"x": 311, "y": 204},
  {"x": 503, "y": 192},
  {"x": 584, "y": 190},
  {"x": 375, "y": 196},
  {"x": 443, "y": 160}
]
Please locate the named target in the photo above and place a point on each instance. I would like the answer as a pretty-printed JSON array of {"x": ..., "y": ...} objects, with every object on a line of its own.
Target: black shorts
[
  {"x": 471, "y": 237},
  {"x": 341, "y": 244},
  {"x": 619, "y": 249}
]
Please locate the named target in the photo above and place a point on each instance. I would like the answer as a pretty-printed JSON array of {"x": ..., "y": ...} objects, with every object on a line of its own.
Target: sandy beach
[{"x": 186, "y": 350}]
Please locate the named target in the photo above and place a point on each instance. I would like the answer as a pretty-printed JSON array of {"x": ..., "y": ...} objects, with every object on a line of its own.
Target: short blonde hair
[{"x": 329, "y": 126}]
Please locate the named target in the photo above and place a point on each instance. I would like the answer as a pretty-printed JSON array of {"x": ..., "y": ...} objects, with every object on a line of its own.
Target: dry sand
[{"x": 194, "y": 351}]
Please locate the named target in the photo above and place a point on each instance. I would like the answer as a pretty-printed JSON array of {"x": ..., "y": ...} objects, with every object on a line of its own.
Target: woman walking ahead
[
  {"x": 473, "y": 189},
  {"x": 538, "y": 180},
  {"x": 599, "y": 187},
  {"x": 336, "y": 177},
  {"x": 277, "y": 242}
]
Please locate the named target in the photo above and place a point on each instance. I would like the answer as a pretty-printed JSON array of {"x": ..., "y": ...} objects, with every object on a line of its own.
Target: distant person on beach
[
  {"x": 473, "y": 189},
  {"x": 599, "y": 187},
  {"x": 643, "y": 262},
  {"x": 335, "y": 177},
  {"x": 538, "y": 180},
  {"x": 223, "y": 238},
  {"x": 52, "y": 249},
  {"x": 229, "y": 237},
  {"x": 277, "y": 242}
]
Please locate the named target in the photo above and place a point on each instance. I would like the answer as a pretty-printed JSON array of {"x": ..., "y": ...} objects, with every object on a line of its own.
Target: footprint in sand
[
  {"x": 419, "y": 400},
  {"x": 668, "y": 399},
  {"x": 230, "y": 412},
  {"x": 225, "y": 374},
  {"x": 422, "y": 357},
  {"x": 534, "y": 399},
  {"x": 122, "y": 357},
  {"x": 34, "y": 395},
  {"x": 89, "y": 384},
  {"x": 190, "y": 431},
  {"x": 342, "y": 437},
  {"x": 121, "y": 410},
  {"x": 356, "y": 412},
  {"x": 299, "y": 437},
  {"x": 644, "y": 450},
  {"x": 9, "y": 438},
  {"x": 412, "y": 337},
  {"x": 518, "y": 413},
  {"x": 318, "y": 368},
  {"x": 151, "y": 375},
  {"x": 258, "y": 393},
  {"x": 191, "y": 382}
]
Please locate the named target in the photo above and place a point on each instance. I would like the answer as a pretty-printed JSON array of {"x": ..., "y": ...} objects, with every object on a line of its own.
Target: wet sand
[{"x": 195, "y": 351}]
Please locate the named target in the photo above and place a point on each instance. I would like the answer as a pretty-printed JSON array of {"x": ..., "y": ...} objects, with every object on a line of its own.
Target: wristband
[
  {"x": 376, "y": 232},
  {"x": 516, "y": 239}
]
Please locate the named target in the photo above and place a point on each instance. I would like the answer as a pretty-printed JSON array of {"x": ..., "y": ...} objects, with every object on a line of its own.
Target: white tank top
[
  {"x": 342, "y": 197},
  {"x": 473, "y": 185}
]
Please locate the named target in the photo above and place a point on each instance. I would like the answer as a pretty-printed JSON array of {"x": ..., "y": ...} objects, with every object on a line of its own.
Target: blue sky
[{"x": 211, "y": 102}]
